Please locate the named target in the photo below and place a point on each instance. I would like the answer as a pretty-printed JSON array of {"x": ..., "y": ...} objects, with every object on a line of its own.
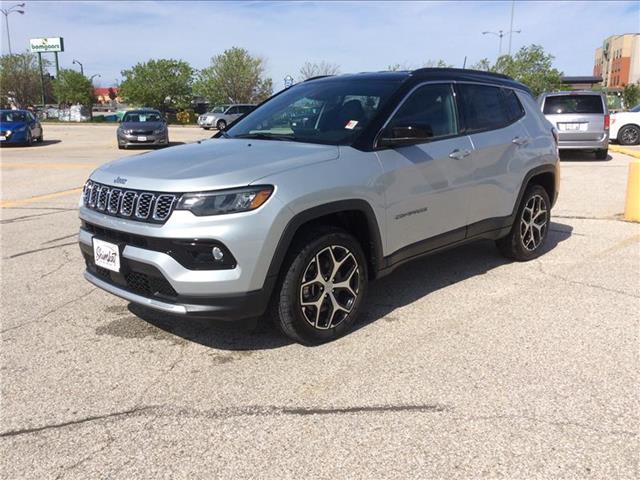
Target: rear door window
[
  {"x": 485, "y": 107},
  {"x": 571, "y": 104}
]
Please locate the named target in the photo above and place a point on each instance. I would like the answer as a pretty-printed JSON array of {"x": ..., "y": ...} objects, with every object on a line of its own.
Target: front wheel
[
  {"x": 29, "y": 140},
  {"x": 221, "y": 125},
  {"x": 323, "y": 286},
  {"x": 529, "y": 232}
]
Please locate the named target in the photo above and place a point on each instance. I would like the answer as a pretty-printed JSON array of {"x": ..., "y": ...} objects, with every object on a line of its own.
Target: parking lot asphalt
[{"x": 464, "y": 365}]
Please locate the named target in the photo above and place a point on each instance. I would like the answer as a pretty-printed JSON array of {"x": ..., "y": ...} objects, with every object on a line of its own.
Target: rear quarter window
[
  {"x": 487, "y": 107},
  {"x": 568, "y": 104}
]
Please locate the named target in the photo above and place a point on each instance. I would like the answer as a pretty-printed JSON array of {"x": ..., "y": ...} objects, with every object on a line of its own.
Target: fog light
[{"x": 217, "y": 253}]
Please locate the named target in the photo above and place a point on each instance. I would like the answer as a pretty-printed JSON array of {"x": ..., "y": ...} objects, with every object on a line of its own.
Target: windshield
[
  {"x": 328, "y": 112},
  {"x": 142, "y": 117},
  {"x": 219, "y": 109},
  {"x": 560, "y": 104},
  {"x": 635, "y": 109},
  {"x": 13, "y": 117}
]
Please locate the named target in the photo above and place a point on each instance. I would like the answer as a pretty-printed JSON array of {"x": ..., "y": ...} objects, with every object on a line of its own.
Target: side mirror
[{"x": 401, "y": 135}]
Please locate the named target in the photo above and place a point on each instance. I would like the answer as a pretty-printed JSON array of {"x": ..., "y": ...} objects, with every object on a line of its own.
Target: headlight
[
  {"x": 127, "y": 132},
  {"x": 225, "y": 201},
  {"x": 8, "y": 132}
]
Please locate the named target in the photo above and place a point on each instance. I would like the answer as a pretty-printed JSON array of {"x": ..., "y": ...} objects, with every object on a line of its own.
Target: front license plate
[
  {"x": 142, "y": 139},
  {"x": 106, "y": 255}
]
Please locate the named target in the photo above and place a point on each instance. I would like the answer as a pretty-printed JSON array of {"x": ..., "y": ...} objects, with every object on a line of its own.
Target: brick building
[{"x": 618, "y": 60}]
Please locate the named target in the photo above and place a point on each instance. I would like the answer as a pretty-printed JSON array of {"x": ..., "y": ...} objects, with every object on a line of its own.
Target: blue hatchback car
[{"x": 19, "y": 127}]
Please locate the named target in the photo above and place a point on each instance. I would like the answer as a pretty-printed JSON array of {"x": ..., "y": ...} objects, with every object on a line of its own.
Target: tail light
[{"x": 607, "y": 122}]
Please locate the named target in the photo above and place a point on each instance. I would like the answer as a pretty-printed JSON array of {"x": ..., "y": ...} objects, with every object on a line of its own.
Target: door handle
[
  {"x": 520, "y": 141},
  {"x": 459, "y": 154}
]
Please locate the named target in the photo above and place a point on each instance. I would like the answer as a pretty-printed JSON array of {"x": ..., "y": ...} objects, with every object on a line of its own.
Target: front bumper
[
  {"x": 208, "y": 123},
  {"x": 130, "y": 140},
  {"x": 158, "y": 278}
]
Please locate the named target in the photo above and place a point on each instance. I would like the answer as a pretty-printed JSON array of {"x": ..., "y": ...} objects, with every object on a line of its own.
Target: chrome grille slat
[
  {"x": 114, "y": 201},
  {"x": 144, "y": 205},
  {"x": 128, "y": 203},
  {"x": 102, "y": 198},
  {"x": 154, "y": 207},
  {"x": 163, "y": 206}
]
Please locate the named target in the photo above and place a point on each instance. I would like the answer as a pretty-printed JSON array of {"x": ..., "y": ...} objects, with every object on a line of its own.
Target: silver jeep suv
[{"x": 296, "y": 217}]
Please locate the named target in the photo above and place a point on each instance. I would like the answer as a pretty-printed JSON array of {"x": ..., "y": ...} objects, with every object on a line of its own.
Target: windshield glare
[
  {"x": 328, "y": 112},
  {"x": 142, "y": 117},
  {"x": 13, "y": 117}
]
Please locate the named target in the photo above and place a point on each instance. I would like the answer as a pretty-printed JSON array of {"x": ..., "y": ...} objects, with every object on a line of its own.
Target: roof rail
[
  {"x": 460, "y": 70},
  {"x": 317, "y": 77}
]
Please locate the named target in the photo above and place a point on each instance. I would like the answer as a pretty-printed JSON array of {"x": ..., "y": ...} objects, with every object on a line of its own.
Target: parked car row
[{"x": 222, "y": 115}]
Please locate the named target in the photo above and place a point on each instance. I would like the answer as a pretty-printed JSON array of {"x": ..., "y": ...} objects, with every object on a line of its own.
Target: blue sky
[{"x": 108, "y": 37}]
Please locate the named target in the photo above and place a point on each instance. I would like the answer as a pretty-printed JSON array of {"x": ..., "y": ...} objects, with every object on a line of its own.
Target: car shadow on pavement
[
  {"x": 44, "y": 143},
  {"x": 581, "y": 156},
  {"x": 154, "y": 147},
  {"x": 404, "y": 286}
]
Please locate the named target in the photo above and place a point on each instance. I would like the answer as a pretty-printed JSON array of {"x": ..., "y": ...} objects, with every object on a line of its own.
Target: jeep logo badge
[{"x": 119, "y": 180}]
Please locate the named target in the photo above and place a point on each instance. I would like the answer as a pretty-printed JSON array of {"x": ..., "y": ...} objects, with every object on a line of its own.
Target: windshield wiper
[{"x": 263, "y": 136}]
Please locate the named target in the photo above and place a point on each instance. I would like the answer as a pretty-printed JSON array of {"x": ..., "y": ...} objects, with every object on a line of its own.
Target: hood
[
  {"x": 142, "y": 125},
  {"x": 211, "y": 164}
]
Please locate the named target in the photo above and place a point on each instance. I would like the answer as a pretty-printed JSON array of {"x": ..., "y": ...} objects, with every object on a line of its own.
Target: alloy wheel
[
  {"x": 533, "y": 223},
  {"x": 630, "y": 136},
  {"x": 329, "y": 287}
]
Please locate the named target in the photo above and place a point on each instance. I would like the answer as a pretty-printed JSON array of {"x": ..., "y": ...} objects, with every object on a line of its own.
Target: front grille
[
  {"x": 142, "y": 132},
  {"x": 132, "y": 204}
]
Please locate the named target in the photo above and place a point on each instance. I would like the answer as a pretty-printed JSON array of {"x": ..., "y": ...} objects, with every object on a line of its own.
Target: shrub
[{"x": 186, "y": 117}]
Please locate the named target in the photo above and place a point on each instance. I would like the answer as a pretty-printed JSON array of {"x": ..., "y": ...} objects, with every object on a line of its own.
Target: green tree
[
  {"x": 234, "y": 76},
  {"x": 631, "y": 95},
  {"x": 437, "y": 64},
  {"x": 531, "y": 66},
  {"x": 72, "y": 88},
  {"x": 484, "y": 65},
  {"x": 158, "y": 83},
  {"x": 310, "y": 70},
  {"x": 20, "y": 79}
]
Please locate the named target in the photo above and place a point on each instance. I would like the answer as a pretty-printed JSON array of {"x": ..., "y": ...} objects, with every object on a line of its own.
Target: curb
[{"x": 626, "y": 151}]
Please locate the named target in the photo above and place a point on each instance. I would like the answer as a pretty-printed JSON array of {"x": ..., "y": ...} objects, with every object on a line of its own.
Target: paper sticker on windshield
[{"x": 351, "y": 125}]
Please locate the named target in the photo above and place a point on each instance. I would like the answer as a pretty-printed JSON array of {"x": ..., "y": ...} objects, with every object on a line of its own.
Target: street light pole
[
  {"x": 513, "y": 6},
  {"x": 81, "y": 67},
  {"x": 93, "y": 76},
  {"x": 500, "y": 34},
  {"x": 6, "y": 11}
]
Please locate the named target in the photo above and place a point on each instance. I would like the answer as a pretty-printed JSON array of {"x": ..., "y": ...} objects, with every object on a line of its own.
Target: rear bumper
[{"x": 601, "y": 143}]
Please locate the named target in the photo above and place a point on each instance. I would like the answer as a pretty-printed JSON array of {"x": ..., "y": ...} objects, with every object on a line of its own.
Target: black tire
[
  {"x": 29, "y": 140},
  {"x": 294, "y": 319},
  {"x": 522, "y": 243},
  {"x": 122, "y": 147},
  {"x": 629, "y": 135},
  {"x": 221, "y": 125},
  {"x": 206, "y": 128},
  {"x": 40, "y": 139},
  {"x": 602, "y": 154}
]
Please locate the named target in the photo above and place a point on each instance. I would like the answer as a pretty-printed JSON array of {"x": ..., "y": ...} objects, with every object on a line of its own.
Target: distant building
[
  {"x": 618, "y": 60},
  {"x": 103, "y": 94}
]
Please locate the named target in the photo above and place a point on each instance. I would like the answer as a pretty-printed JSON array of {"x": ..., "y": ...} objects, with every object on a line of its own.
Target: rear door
[
  {"x": 577, "y": 117},
  {"x": 233, "y": 113},
  {"x": 492, "y": 118},
  {"x": 426, "y": 185}
]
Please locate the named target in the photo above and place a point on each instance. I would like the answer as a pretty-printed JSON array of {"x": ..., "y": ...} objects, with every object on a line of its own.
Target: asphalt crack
[
  {"x": 92, "y": 418},
  {"x": 29, "y": 252}
]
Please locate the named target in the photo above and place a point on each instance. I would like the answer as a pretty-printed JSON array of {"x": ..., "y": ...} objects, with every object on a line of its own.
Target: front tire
[
  {"x": 29, "y": 140},
  {"x": 221, "y": 125},
  {"x": 602, "y": 154},
  {"x": 324, "y": 283},
  {"x": 529, "y": 232},
  {"x": 629, "y": 135}
]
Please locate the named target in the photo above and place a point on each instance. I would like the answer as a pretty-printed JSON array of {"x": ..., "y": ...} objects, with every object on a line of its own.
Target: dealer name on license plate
[
  {"x": 142, "y": 139},
  {"x": 106, "y": 255}
]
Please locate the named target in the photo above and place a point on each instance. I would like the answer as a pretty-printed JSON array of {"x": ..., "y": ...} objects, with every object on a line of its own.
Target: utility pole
[
  {"x": 513, "y": 6},
  {"x": 6, "y": 12},
  {"x": 41, "y": 77}
]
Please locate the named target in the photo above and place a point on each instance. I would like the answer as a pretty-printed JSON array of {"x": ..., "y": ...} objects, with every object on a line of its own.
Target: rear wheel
[
  {"x": 530, "y": 228},
  {"x": 221, "y": 125},
  {"x": 324, "y": 283},
  {"x": 602, "y": 154},
  {"x": 629, "y": 135}
]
